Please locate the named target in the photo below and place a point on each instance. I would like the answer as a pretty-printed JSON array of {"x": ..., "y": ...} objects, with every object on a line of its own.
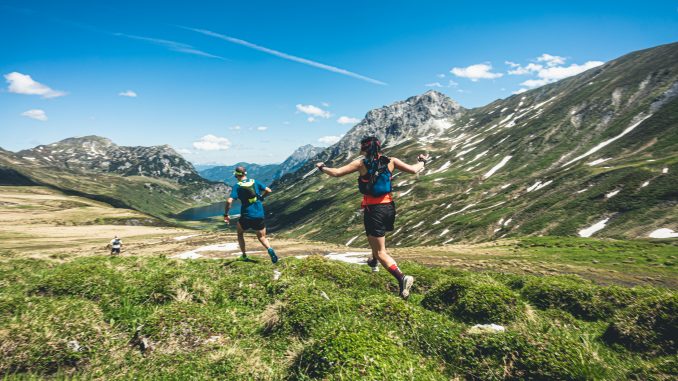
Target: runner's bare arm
[
  {"x": 266, "y": 192},
  {"x": 341, "y": 171},
  {"x": 399, "y": 164},
  {"x": 229, "y": 202}
]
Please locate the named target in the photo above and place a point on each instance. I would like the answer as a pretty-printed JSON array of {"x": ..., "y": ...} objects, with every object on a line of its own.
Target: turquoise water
[{"x": 203, "y": 212}]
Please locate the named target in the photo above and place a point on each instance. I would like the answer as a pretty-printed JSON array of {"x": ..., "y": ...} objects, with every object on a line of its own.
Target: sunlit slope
[
  {"x": 593, "y": 154},
  {"x": 154, "y": 180},
  {"x": 157, "y": 319}
]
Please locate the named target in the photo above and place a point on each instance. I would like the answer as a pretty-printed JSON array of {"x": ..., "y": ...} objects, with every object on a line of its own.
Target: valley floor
[{"x": 37, "y": 222}]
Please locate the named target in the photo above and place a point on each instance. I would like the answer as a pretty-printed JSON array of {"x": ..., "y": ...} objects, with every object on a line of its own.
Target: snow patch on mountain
[
  {"x": 606, "y": 142},
  {"x": 600, "y": 225},
  {"x": 663, "y": 233},
  {"x": 497, "y": 167}
]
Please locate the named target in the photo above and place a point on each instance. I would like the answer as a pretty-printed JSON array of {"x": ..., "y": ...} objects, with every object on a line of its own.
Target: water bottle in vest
[
  {"x": 377, "y": 181},
  {"x": 246, "y": 191}
]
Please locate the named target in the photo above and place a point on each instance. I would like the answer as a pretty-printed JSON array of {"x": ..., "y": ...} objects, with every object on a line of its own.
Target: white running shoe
[{"x": 405, "y": 286}]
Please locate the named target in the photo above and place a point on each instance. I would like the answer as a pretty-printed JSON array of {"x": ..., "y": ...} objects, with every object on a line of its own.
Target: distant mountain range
[
  {"x": 264, "y": 173},
  {"x": 156, "y": 180},
  {"x": 591, "y": 155}
]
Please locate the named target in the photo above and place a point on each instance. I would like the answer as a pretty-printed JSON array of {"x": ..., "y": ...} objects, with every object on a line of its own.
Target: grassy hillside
[
  {"x": 158, "y": 318},
  {"x": 599, "y": 146},
  {"x": 154, "y": 196}
]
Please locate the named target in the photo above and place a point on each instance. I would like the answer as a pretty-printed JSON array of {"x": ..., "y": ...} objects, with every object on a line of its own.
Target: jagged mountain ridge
[
  {"x": 298, "y": 158},
  {"x": 224, "y": 173},
  {"x": 554, "y": 160},
  {"x": 264, "y": 173},
  {"x": 154, "y": 180},
  {"x": 98, "y": 154}
]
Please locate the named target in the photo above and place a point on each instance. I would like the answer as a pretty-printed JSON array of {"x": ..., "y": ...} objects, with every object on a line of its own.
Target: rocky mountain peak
[
  {"x": 430, "y": 113},
  {"x": 98, "y": 154}
]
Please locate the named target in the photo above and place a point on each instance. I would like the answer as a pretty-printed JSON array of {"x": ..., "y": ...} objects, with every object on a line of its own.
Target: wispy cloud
[
  {"x": 286, "y": 56},
  {"x": 347, "y": 120},
  {"x": 329, "y": 140},
  {"x": 262, "y": 128},
  {"x": 313, "y": 111},
  {"x": 24, "y": 84},
  {"x": 554, "y": 70},
  {"x": 450, "y": 83},
  {"x": 128, "y": 93},
  {"x": 212, "y": 143},
  {"x": 476, "y": 72},
  {"x": 172, "y": 45},
  {"x": 35, "y": 114}
]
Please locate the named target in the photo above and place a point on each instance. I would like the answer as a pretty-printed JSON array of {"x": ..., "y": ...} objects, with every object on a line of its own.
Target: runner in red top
[{"x": 374, "y": 182}]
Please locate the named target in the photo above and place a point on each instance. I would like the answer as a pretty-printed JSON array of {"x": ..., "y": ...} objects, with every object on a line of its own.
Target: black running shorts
[
  {"x": 115, "y": 250},
  {"x": 379, "y": 219},
  {"x": 254, "y": 223}
]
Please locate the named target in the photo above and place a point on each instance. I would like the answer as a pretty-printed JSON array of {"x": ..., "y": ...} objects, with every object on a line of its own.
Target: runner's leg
[
  {"x": 261, "y": 235},
  {"x": 241, "y": 238}
]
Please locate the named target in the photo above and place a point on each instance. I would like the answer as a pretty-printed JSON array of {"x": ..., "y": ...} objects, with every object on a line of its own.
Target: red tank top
[{"x": 371, "y": 200}]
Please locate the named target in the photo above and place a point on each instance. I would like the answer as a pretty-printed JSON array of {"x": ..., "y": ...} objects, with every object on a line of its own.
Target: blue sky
[{"x": 227, "y": 81}]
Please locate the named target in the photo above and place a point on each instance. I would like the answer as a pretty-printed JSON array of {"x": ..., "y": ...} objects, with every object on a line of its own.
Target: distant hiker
[
  {"x": 116, "y": 245},
  {"x": 374, "y": 183},
  {"x": 251, "y": 193}
]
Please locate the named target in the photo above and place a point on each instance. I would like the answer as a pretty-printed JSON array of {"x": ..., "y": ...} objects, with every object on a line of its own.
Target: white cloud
[
  {"x": 212, "y": 143},
  {"x": 286, "y": 56},
  {"x": 329, "y": 140},
  {"x": 559, "y": 72},
  {"x": 556, "y": 73},
  {"x": 551, "y": 60},
  {"x": 476, "y": 72},
  {"x": 24, "y": 84},
  {"x": 128, "y": 93},
  {"x": 262, "y": 128},
  {"x": 521, "y": 70},
  {"x": 433, "y": 84},
  {"x": 554, "y": 70},
  {"x": 235, "y": 128},
  {"x": 347, "y": 120},
  {"x": 313, "y": 111},
  {"x": 450, "y": 83},
  {"x": 184, "y": 151},
  {"x": 325, "y": 104},
  {"x": 441, "y": 75},
  {"x": 310, "y": 119},
  {"x": 35, "y": 114}
]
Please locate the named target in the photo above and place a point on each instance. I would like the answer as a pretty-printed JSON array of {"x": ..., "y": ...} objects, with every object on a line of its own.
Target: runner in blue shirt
[{"x": 250, "y": 192}]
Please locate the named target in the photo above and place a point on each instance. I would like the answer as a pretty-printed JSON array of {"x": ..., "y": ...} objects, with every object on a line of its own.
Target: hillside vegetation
[
  {"x": 593, "y": 154},
  {"x": 159, "y": 318}
]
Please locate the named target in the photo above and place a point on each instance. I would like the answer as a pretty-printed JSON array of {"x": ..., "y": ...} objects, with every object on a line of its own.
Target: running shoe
[
  {"x": 271, "y": 253},
  {"x": 243, "y": 257},
  {"x": 405, "y": 285},
  {"x": 374, "y": 264}
]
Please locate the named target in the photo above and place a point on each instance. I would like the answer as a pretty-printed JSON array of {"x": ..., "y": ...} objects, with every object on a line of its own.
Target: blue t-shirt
[{"x": 251, "y": 207}]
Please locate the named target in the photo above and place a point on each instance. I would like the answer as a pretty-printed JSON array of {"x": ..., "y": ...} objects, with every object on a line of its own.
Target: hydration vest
[
  {"x": 246, "y": 191},
  {"x": 377, "y": 181}
]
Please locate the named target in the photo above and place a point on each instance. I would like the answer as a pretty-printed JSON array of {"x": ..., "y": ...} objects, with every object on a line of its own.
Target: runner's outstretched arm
[
  {"x": 399, "y": 164},
  {"x": 341, "y": 171},
  {"x": 266, "y": 192},
  {"x": 229, "y": 202}
]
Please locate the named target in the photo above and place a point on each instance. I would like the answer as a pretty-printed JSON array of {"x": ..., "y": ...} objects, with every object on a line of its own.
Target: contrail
[
  {"x": 285, "y": 55},
  {"x": 171, "y": 45}
]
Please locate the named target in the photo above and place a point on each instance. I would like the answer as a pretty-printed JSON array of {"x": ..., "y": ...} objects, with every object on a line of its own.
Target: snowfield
[{"x": 593, "y": 228}]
